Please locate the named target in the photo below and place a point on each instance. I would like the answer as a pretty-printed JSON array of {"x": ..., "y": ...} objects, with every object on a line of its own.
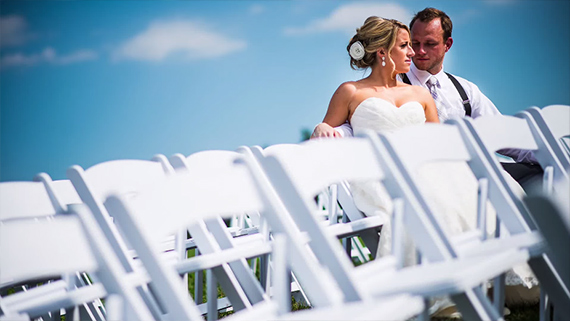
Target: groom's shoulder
[{"x": 464, "y": 82}]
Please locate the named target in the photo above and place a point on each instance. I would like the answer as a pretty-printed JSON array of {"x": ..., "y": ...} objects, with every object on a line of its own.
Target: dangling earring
[{"x": 383, "y": 61}]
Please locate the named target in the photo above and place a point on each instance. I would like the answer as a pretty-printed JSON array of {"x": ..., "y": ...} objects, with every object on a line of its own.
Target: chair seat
[{"x": 442, "y": 278}]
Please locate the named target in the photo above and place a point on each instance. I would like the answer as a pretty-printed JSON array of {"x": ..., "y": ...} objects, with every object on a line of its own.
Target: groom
[{"x": 454, "y": 96}]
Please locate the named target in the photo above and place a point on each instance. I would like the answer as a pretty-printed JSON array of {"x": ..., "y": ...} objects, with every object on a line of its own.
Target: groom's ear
[{"x": 448, "y": 44}]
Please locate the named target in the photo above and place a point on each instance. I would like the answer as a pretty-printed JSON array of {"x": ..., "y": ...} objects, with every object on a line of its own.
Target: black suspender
[
  {"x": 406, "y": 79},
  {"x": 462, "y": 93}
]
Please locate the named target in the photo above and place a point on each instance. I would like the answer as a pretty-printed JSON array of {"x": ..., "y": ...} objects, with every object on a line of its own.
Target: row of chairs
[{"x": 121, "y": 230}]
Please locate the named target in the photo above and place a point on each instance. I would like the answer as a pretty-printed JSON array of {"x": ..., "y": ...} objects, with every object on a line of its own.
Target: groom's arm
[
  {"x": 519, "y": 155},
  {"x": 325, "y": 130},
  {"x": 345, "y": 130}
]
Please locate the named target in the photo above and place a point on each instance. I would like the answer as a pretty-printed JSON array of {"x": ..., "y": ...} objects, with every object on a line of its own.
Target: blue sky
[{"x": 86, "y": 82}]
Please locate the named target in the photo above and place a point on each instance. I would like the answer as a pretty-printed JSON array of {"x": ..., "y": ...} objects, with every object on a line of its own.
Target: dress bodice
[{"x": 381, "y": 115}]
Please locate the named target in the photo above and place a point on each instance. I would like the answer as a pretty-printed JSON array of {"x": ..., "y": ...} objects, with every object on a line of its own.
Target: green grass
[{"x": 524, "y": 313}]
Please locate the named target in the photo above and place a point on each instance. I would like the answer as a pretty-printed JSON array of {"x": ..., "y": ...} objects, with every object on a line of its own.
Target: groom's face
[{"x": 428, "y": 44}]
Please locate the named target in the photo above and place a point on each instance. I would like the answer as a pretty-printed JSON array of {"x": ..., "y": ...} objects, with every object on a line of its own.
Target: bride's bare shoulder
[
  {"x": 349, "y": 85},
  {"x": 347, "y": 89}
]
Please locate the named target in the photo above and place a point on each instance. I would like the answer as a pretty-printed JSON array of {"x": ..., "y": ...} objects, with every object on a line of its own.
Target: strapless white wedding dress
[{"x": 450, "y": 188}]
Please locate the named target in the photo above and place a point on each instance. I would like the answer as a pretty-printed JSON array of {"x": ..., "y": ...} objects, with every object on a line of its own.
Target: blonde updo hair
[{"x": 376, "y": 33}]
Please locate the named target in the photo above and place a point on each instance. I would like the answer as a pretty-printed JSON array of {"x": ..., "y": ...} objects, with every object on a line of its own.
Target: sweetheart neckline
[{"x": 389, "y": 102}]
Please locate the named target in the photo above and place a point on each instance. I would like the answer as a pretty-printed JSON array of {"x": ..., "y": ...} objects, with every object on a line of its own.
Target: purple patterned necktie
[{"x": 432, "y": 83}]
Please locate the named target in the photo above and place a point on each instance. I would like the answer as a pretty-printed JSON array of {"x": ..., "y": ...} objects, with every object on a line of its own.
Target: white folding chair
[
  {"x": 356, "y": 223},
  {"x": 32, "y": 201},
  {"x": 188, "y": 198},
  {"x": 32, "y": 249},
  {"x": 213, "y": 237},
  {"x": 118, "y": 176},
  {"x": 130, "y": 177},
  {"x": 484, "y": 136},
  {"x": 553, "y": 122},
  {"x": 127, "y": 177},
  {"x": 552, "y": 217},
  {"x": 502, "y": 131},
  {"x": 290, "y": 191},
  {"x": 61, "y": 192},
  {"x": 21, "y": 200}
]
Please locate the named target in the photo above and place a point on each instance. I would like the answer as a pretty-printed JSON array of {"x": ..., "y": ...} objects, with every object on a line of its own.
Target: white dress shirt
[{"x": 449, "y": 103}]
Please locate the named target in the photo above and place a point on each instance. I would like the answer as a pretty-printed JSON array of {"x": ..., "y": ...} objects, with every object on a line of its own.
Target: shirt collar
[{"x": 423, "y": 75}]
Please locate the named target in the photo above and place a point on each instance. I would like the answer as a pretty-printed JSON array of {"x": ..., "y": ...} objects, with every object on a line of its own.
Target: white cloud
[
  {"x": 349, "y": 17},
  {"x": 13, "y": 31},
  {"x": 77, "y": 56},
  {"x": 256, "y": 9},
  {"x": 466, "y": 17},
  {"x": 48, "y": 55},
  {"x": 189, "y": 39}
]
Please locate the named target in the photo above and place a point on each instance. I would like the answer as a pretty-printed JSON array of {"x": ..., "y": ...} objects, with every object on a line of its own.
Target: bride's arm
[
  {"x": 429, "y": 105},
  {"x": 337, "y": 113}
]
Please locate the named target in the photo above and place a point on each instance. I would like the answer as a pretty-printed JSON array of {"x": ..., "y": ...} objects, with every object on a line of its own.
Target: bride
[{"x": 382, "y": 103}]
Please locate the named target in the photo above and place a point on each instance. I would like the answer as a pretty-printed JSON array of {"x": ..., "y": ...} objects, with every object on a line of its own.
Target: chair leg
[
  {"x": 347, "y": 244},
  {"x": 371, "y": 239},
  {"x": 544, "y": 306},
  {"x": 546, "y": 273},
  {"x": 198, "y": 286},
  {"x": 264, "y": 272},
  {"x": 212, "y": 293},
  {"x": 85, "y": 313},
  {"x": 499, "y": 293}
]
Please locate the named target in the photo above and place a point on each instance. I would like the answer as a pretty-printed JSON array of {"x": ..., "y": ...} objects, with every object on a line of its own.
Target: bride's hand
[{"x": 324, "y": 130}]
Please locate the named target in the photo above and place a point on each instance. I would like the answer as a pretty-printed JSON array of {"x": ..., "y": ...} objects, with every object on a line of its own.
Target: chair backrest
[
  {"x": 183, "y": 199},
  {"x": 20, "y": 200},
  {"x": 418, "y": 145},
  {"x": 500, "y": 131},
  {"x": 195, "y": 194},
  {"x": 326, "y": 166},
  {"x": 329, "y": 199},
  {"x": 402, "y": 153},
  {"x": 67, "y": 243},
  {"x": 442, "y": 142},
  {"x": 123, "y": 177},
  {"x": 61, "y": 192},
  {"x": 46, "y": 248},
  {"x": 551, "y": 125},
  {"x": 556, "y": 117},
  {"x": 290, "y": 177},
  {"x": 482, "y": 144}
]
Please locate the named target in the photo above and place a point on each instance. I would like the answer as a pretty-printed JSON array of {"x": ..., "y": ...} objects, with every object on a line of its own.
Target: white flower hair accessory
[{"x": 357, "y": 50}]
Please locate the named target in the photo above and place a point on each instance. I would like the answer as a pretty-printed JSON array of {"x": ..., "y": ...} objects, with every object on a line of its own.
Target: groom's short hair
[{"x": 428, "y": 14}]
